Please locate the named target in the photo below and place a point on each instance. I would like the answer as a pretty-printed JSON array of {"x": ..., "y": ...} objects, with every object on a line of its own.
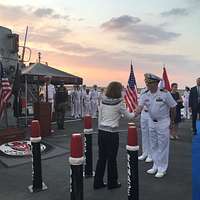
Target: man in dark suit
[{"x": 194, "y": 104}]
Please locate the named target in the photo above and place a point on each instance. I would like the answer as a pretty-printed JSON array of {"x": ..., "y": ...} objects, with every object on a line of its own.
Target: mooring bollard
[
  {"x": 88, "y": 167},
  {"x": 132, "y": 165},
  {"x": 38, "y": 184},
  {"x": 76, "y": 161}
]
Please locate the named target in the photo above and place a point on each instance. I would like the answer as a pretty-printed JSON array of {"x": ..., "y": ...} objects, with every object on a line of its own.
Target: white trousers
[
  {"x": 144, "y": 123},
  {"x": 159, "y": 140},
  {"x": 52, "y": 105},
  {"x": 186, "y": 110},
  {"x": 94, "y": 105},
  {"x": 82, "y": 109},
  {"x": 77, "y": 109},
  {"x": 87, "y": 109}
]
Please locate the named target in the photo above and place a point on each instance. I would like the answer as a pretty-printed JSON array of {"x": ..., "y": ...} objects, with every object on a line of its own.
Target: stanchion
[
  {"x": 132, "y": 159},
  {"x": 38, "y": 184},
  {"x": 76, "y": 167},
  {"x": 88, "y": 167}
]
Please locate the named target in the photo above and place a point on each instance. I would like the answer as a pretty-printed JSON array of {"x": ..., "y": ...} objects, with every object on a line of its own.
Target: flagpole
[
  {"x": 24, "y": 46},
  {"x": 135, "y": 81}
]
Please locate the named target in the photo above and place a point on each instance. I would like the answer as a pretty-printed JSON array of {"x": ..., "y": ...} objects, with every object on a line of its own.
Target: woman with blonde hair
[{"x": 111, "y": 109}]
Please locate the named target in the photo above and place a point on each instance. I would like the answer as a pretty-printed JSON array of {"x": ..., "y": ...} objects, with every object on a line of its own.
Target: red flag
[
  {"x": 131, "y": 92},
  {"x": 166, "y": 84},
  {"x": 5, "y": 93}
]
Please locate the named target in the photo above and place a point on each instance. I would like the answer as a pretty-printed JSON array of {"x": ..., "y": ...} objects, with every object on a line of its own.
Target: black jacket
[{"x": 193, "y": 98}]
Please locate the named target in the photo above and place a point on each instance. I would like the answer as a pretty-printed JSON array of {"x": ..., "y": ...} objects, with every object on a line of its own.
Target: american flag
[
  {"x": 5, "y": 92},
  {"x": 131, "y": 92}
]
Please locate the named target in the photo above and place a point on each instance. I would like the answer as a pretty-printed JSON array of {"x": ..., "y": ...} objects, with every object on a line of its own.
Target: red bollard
[
  {"x": 38, "y": 185},
  {"x": 132, "y": 165},
  {"x": 88, "y": 168},
  {"x": 88, "y": 123},
  {"x": 131, "y": 124},
  {"x": 76, "y": 161}
]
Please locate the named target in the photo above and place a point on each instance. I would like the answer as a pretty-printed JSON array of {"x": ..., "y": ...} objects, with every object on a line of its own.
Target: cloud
[
  {"x": 175, "y": 12},
  {"x": 50, "y": 34},
  {"x": 48, "y": 12},
  {"x": 130, "y": 29},
  {"x": 27, "y": 13},
  {"x": 120, "y": 22},
  {"x": 115, "y": 66},
  {"x": 193, "y": 6},
  {"x": 41, "y": 12},
  {"x": 12, "y": 12},
  {"x": 77, "y": 48},
  {"x": 193, "y": 2},
  {"x": 55, "y": 38}
]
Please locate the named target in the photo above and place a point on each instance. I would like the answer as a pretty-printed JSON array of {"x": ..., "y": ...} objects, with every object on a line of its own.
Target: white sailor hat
[{"x": 150, "y": 78}]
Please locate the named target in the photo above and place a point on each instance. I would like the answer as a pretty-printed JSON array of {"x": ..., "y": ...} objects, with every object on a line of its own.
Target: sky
[{"x": 97, "y": 39}]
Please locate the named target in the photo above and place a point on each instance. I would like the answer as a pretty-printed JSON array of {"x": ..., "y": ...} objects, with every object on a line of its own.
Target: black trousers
[
  {"x": 194, "y": 117},
  {"x": 108, "y": 143},
  {"x": 60, "y": 115}
]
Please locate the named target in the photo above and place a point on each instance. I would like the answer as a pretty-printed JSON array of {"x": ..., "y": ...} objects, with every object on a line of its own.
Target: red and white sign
[{"x": 19, "y": 148}]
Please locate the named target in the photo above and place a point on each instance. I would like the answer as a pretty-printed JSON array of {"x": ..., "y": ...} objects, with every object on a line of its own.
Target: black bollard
[
  {"x": 132, "y": 165},
  {"x": 38, "y": 184},
  {"x": 76, "y": 161},
  {"x": 88, "y": 168}
]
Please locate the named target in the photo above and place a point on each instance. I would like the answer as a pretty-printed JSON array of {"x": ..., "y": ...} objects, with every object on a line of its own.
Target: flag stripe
[
  {"x": 5, "y": 94},
  {"x": 166, "y": 80},
  {"x": 131, "y": 92}
]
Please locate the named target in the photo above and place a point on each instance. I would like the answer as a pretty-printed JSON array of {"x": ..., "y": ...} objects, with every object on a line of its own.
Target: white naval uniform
[
  {"x": 87, "y": 105},
  {"x": 186, "y": 104},
  {"x": 51, "y": 94},
  {"x": 77, "y": 102},
  {"x": 72, "y": 95},
  {"x": 144, "y": 123},
  {"x": 83, "y": 93},
  {"x": 158, "y": 105},
  {"x": 94, "y": 102}
]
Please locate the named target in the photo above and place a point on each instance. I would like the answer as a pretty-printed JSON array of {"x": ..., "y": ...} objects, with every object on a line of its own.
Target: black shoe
[
  {"x": 95, "y": 186},
  {"x": 118, "y": 185}
]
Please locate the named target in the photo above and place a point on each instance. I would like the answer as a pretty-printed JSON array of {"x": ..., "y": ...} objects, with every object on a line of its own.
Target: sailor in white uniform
[
  {"x": 87, "y": 103},
  {"x": 94, "y": 101},
  {"x": 51, "y": 92},
  {"x": 77, "y": 101},
  {"x": 72, "y": 95},
  {"x": 144, "y": 124},
  {"x": 186, "y": 103},
  {"x": 158, "y": 102},
  {"x": 83, "y": 93}
]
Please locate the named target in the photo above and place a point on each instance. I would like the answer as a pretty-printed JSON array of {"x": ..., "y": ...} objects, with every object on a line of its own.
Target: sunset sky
[{"x": 97, "y": 39}]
